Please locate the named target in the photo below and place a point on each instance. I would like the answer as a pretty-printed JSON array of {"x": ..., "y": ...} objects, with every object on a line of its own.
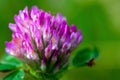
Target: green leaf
[
  {"x": 16, "y": 75},
  {"x": 85, "y": 57},
  {"x": 6, "y": 66},
  {"x": 29, "y": 76},
  {"x": 9, "y": 62},
  {"x": 11, "y": 59}
]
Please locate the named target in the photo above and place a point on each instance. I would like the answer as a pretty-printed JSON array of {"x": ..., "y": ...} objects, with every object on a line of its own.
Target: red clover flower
[{"x": 41, "y": 37}]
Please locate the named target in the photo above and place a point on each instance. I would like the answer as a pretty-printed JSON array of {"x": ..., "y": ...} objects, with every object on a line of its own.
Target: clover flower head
[{"x": 39, "y": 36}]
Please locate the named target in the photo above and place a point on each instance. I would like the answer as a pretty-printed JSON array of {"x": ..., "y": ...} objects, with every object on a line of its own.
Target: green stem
[
  {"x": 39, "y": 75},
  {"x": 49, "y": 77}
]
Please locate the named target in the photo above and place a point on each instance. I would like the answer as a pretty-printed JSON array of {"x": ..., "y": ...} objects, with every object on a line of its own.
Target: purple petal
[
  {"x": 48, "y": 50},
  {"x": 73, "y": 28}
]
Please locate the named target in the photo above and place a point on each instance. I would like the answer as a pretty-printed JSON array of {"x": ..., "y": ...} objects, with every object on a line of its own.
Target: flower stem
[{"x": 49, "y": 77}]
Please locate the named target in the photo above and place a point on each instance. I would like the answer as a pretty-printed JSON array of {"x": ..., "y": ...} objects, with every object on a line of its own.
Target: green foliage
[
  {"x": 9, "y": 63},
  {"x": 85, "y": 57},
  {"x": 16, "y": 75},
  {"x": 6, "y": 66},
  {"x": 11, "y": 60}
]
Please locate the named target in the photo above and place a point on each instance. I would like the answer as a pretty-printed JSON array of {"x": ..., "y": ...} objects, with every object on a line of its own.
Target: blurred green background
[{"x": 99, "y": 21}]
